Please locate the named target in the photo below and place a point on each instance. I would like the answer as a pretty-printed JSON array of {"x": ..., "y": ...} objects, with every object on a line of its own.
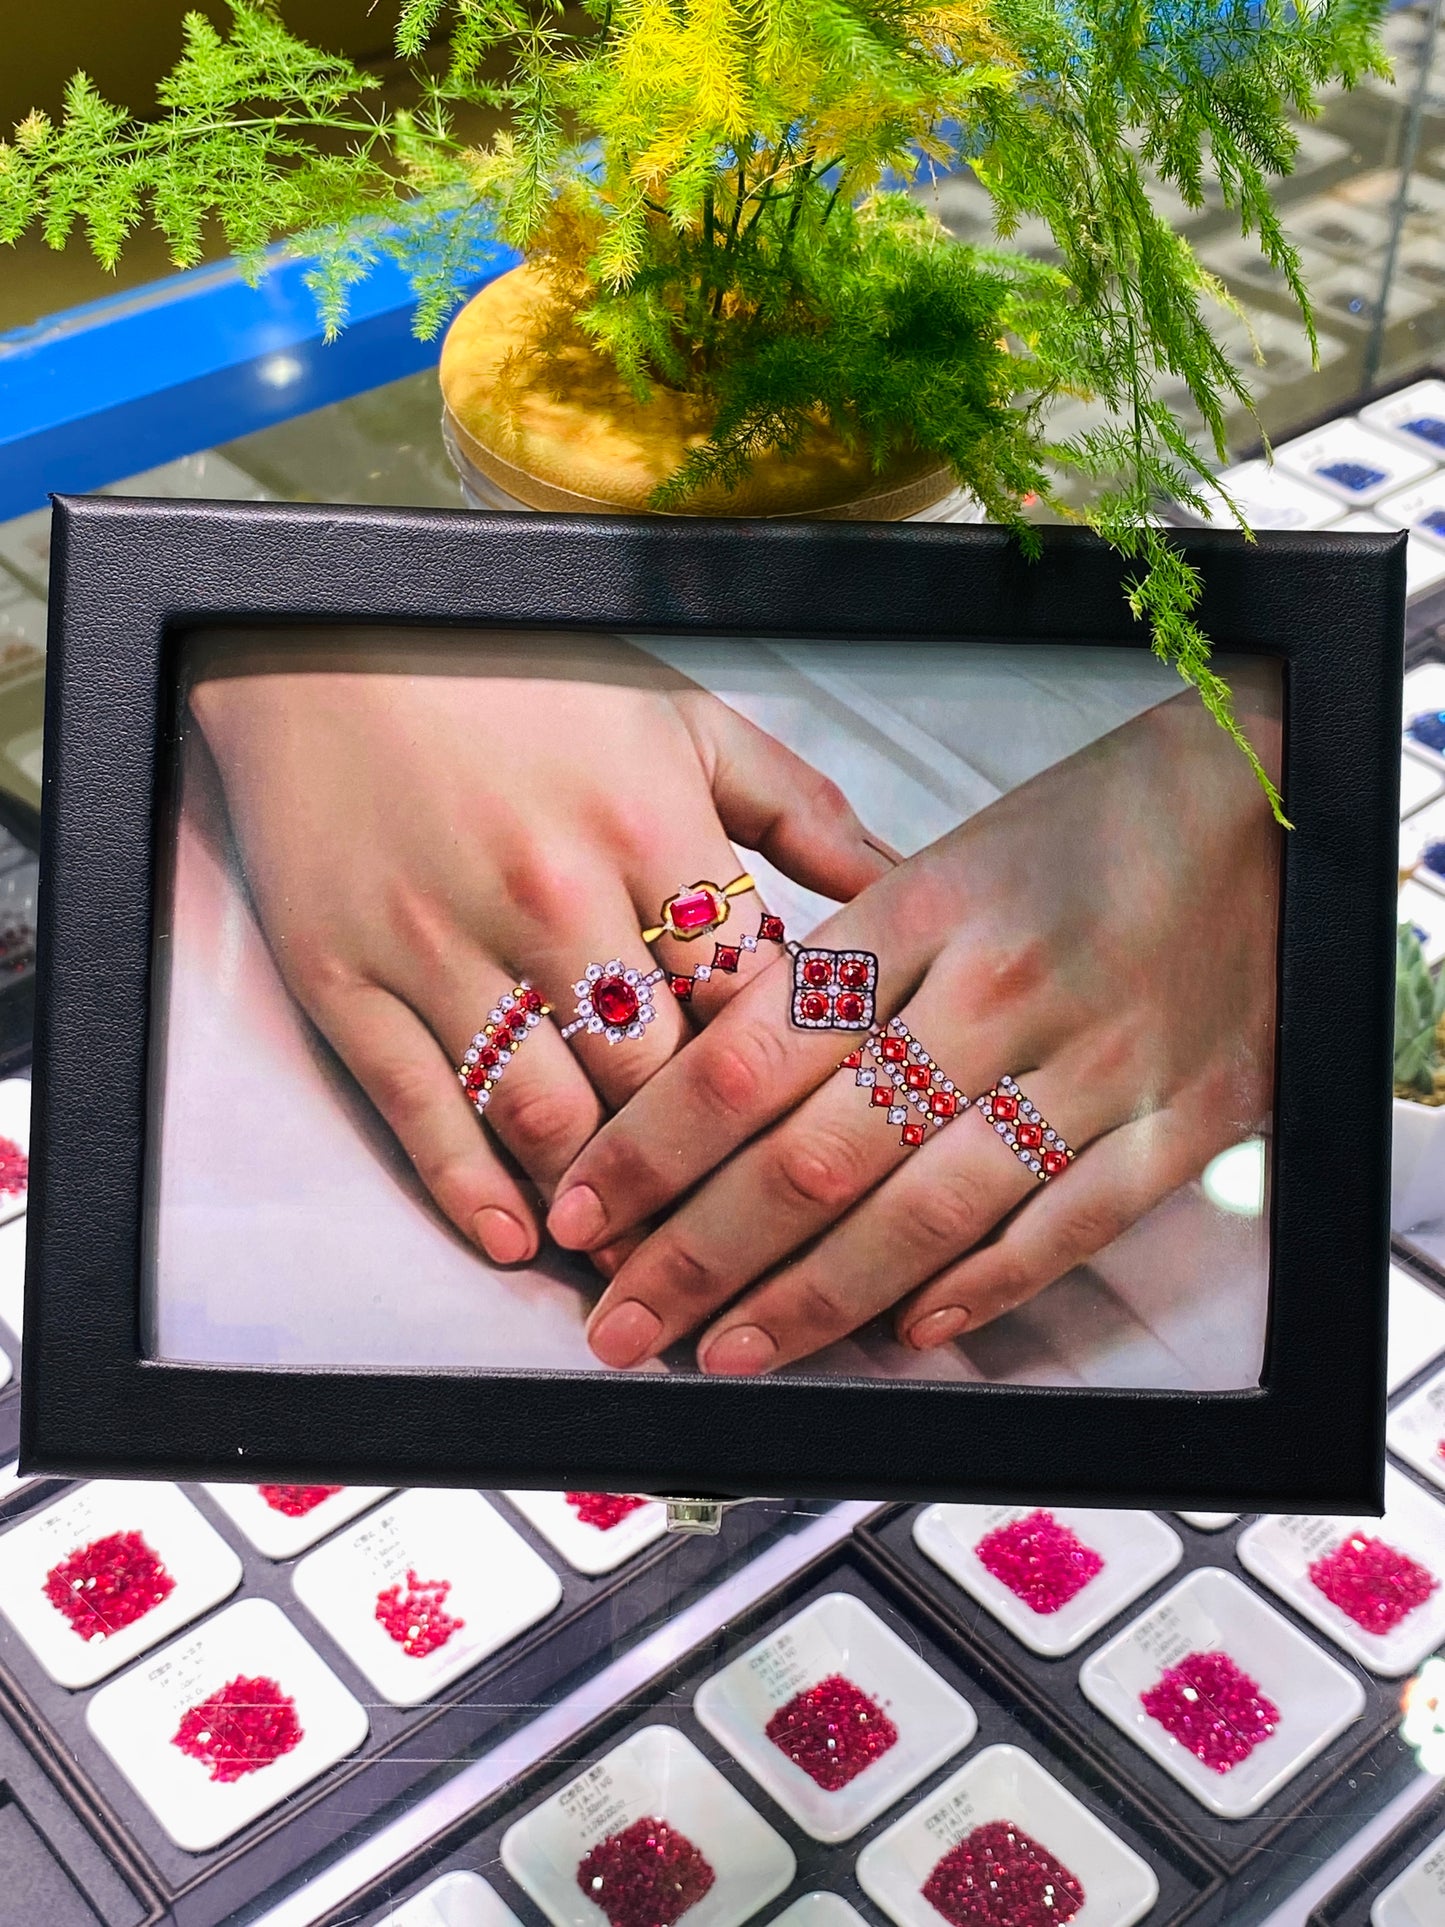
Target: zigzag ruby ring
[
  {"x": 613, "y": 1001},
  {"x": 498, "y": 1042},
  {"x": 899, "y": 1075},
  {"x": 1031, "y": 1138}
]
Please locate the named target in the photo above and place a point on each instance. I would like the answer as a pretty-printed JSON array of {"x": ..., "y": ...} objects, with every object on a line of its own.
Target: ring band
[
  {"x": 613, "y": 1001},
  {"x": 909, "y": 1079},
  {"x": 726, "y": 957},
  {"x": 701, "y": 907},
  {"x": 494, "y": 1046},
  {"x": 1031, "y": 1138}
]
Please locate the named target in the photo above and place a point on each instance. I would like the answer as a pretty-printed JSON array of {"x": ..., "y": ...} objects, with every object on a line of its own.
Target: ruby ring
[
  {"x": 498, "y": 1042},
  {"x": 904, "y": 1081},
  {"x": 1031, "y": 1138},
  {"x": 697, "y": 909},
  {"x": 613, "y": 1001}
]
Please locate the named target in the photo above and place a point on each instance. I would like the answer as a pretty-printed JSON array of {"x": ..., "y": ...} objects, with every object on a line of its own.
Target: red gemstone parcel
[
  {"x": 615, "y": 1001},
  {"x": 832, "y": 1731},
  {"x": 1000, "y": 1876},
  {"x": 1213, "y": 1708},
  {"x": 696, "y": 909},
  {"x": 415, "y": 1615},
  {"x": 246, "y": 1725},
  {"x": 603, "y": 1509},
  {"x": 109, "y": 1584},
  {"x": 1372, "y": 1583},
  {"x": 648, "y": 1875},
  {"x": 295, "y": 1501},
  {"x": 1041, "y": 1562},
  {"x": 14, "y": 1169}
]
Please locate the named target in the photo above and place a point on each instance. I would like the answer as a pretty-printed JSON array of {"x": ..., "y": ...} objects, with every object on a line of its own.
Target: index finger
[{"x": 747, "y": 1068}]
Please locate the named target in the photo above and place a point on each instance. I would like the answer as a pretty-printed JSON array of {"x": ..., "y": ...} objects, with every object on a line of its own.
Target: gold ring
[{"x": 699, "y": 908}]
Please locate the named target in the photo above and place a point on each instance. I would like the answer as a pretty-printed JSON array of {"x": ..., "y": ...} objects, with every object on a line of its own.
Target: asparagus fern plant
[
  {"x": 714, "y": 188},
  {"x": 1419, "y": 1013}
]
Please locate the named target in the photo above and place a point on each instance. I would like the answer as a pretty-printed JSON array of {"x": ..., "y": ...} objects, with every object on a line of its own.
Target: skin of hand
[
  {"x": 416, "y": 841},
  {"x": 1106, "y": 934}
]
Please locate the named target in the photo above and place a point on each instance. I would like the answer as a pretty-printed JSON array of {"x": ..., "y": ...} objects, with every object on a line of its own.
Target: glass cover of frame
[{"x": 576, "y": 1002}]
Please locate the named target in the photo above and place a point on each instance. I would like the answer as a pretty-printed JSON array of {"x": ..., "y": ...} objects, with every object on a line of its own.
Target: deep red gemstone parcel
[
  {"x": 833, "y": 1731},
  {"x": 648, "y": 1875},
  {"x": 1000, "y": 1876}
]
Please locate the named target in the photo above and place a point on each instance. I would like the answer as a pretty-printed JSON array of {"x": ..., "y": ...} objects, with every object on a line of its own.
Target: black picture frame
[{"x": 131, "y": 576}]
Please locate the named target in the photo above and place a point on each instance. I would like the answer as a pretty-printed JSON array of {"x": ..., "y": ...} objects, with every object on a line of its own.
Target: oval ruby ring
[{"x": 613, "y": 1001}]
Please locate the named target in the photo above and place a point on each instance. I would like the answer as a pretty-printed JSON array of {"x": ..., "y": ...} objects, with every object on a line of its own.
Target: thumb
[{"x": 773, "y": 802}]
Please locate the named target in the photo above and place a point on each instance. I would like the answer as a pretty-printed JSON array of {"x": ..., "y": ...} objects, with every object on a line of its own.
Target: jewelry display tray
[
  {"x": 1349, "y": 1905},
  {"x": 1189, "y": 1890},
  {"x": 595, "y": 1618}
]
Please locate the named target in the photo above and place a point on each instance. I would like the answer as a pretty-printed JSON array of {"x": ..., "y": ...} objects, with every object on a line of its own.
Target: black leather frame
[{"x": 132, "y": 577}]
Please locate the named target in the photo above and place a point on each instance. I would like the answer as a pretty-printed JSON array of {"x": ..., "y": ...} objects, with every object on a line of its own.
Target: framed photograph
[{"x": 704, "y": 1008}]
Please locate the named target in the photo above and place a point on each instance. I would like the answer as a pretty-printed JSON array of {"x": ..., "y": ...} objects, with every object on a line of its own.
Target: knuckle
[
  {"x": 1086, "y": 1229},
  {"x": 682, "y": 1274},
  {"x": 733, "y": 1073},
  {"x": 313, "y": 968},
  {"x": 1012, "y": 1280},
  {"x": 923, "y": 904},
  {"x": 950, "y": 1214},
  {"x": 402, "y": 1090},
  {"x": 818, "y": 1167},
  {"x": 817, "y": 1306},
  {"x": 539, "y": 1121}
]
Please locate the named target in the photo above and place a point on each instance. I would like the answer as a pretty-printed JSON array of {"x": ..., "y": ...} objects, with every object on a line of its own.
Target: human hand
[
  {"x": 1106, "y": 934},
  {"x": 416, "y": 838}
]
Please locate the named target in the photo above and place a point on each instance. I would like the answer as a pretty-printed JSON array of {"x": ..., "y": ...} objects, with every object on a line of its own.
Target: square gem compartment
[
  {"x": 1415, "y": 1430},
  {"x": 226, "y": 1723},
  {"x": 1413, "y": 416},
  {"x": 1419, "y": 508},
  {"x": 1353, "y": 463},
  {"x": 1054, "y": 1576},
  {"x": 14, "y": 1153},
  {"x": 282, "y": 1520},
  {"x": 1416, "y": 1328},
  {"x": 1003, "y": 1818},
  {"x": 819, "y": 1910},
  {"x": 586, "y": 1846},
  {"x": 594, "y": 1532},
  {"x": 461, "y": 1899},
  {"x": 109, "y": 1571},
  {"x": 420, "y": 1591},
  {"x": 1228, "y": 1675},
  {"x": 835, "y": 1716},
  {"x": 1422, "y": 709},
  {"x": 1415, "y": 1898},
  {"x": 1376, "y": 1586}
]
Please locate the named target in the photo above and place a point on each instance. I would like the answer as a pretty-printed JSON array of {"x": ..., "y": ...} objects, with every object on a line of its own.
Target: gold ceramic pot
[{"x": 567, "y": 433}]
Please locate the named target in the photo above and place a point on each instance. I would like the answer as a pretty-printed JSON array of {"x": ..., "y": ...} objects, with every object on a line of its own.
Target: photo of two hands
[{"x": 415, "y": 840}]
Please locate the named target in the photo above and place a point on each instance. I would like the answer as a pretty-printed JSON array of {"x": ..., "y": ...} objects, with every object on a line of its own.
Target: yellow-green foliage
[{"x": 714, "y": 186}]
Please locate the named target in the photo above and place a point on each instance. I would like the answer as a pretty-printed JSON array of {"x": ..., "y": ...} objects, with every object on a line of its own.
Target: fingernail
[
  {"x": 577, "y": 1218},
  {"x": 938, "y": 1327},
  {"x": 626, "y": 1334},
  {"x": 501, "y": 1236},
  {"x": 739, "y": 1352}
]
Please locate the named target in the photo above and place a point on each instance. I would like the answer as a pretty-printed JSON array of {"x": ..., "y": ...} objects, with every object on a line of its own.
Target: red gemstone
[
  {"x": 850, "y": 1008},
  {"x": 1030, "y": 1136},
  {"x": 818, "y": 972},
  {"x": 488, "y": 1055},
  {"x": 1212, "y": 1708},
  {"x": 108, "y": 1584},
  {"x": 476, "y": 1077},
  {"x": 615, "y": 1001},
  {"x": 648, "y": 1875},
  {"x": 696, "y": 909},
  {"x": 943, "y": 1104},
  {"x": 1000, "y": 1876},
  {"x": 1005, "y": 1108},
  {"x": 1041, "y": 1562},
  {"x": 1054, "y": 1162},
  {"x": 1373, "y": 1583},
  {"x": 681, "y": 987},
  {"x": 516, "y": 1018},
  {"x": 852, "y": 1062},
  {"x": 415, "y": 1615},
  {"x": 238, "y": 1730},
  {"x": 770, "y": 930},
  {"x": 912, "y": 1134},
  {"x": 14, "y": 1169},
  {"x": 893, "y": 1049},
  {"x": 530, "y": 999},
  {"x": 604, "y": 1510},
  {"x": 725, "y": 957},
  {"x": 882, "y": 1094},
  {"x": 854, "y": 973},
  {"x": 814, "y": 1006},
  {"x": 295, "y": 1501},
  {"x": 916, "y": 1077},
  {"x": 833, "y": 1731}
]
